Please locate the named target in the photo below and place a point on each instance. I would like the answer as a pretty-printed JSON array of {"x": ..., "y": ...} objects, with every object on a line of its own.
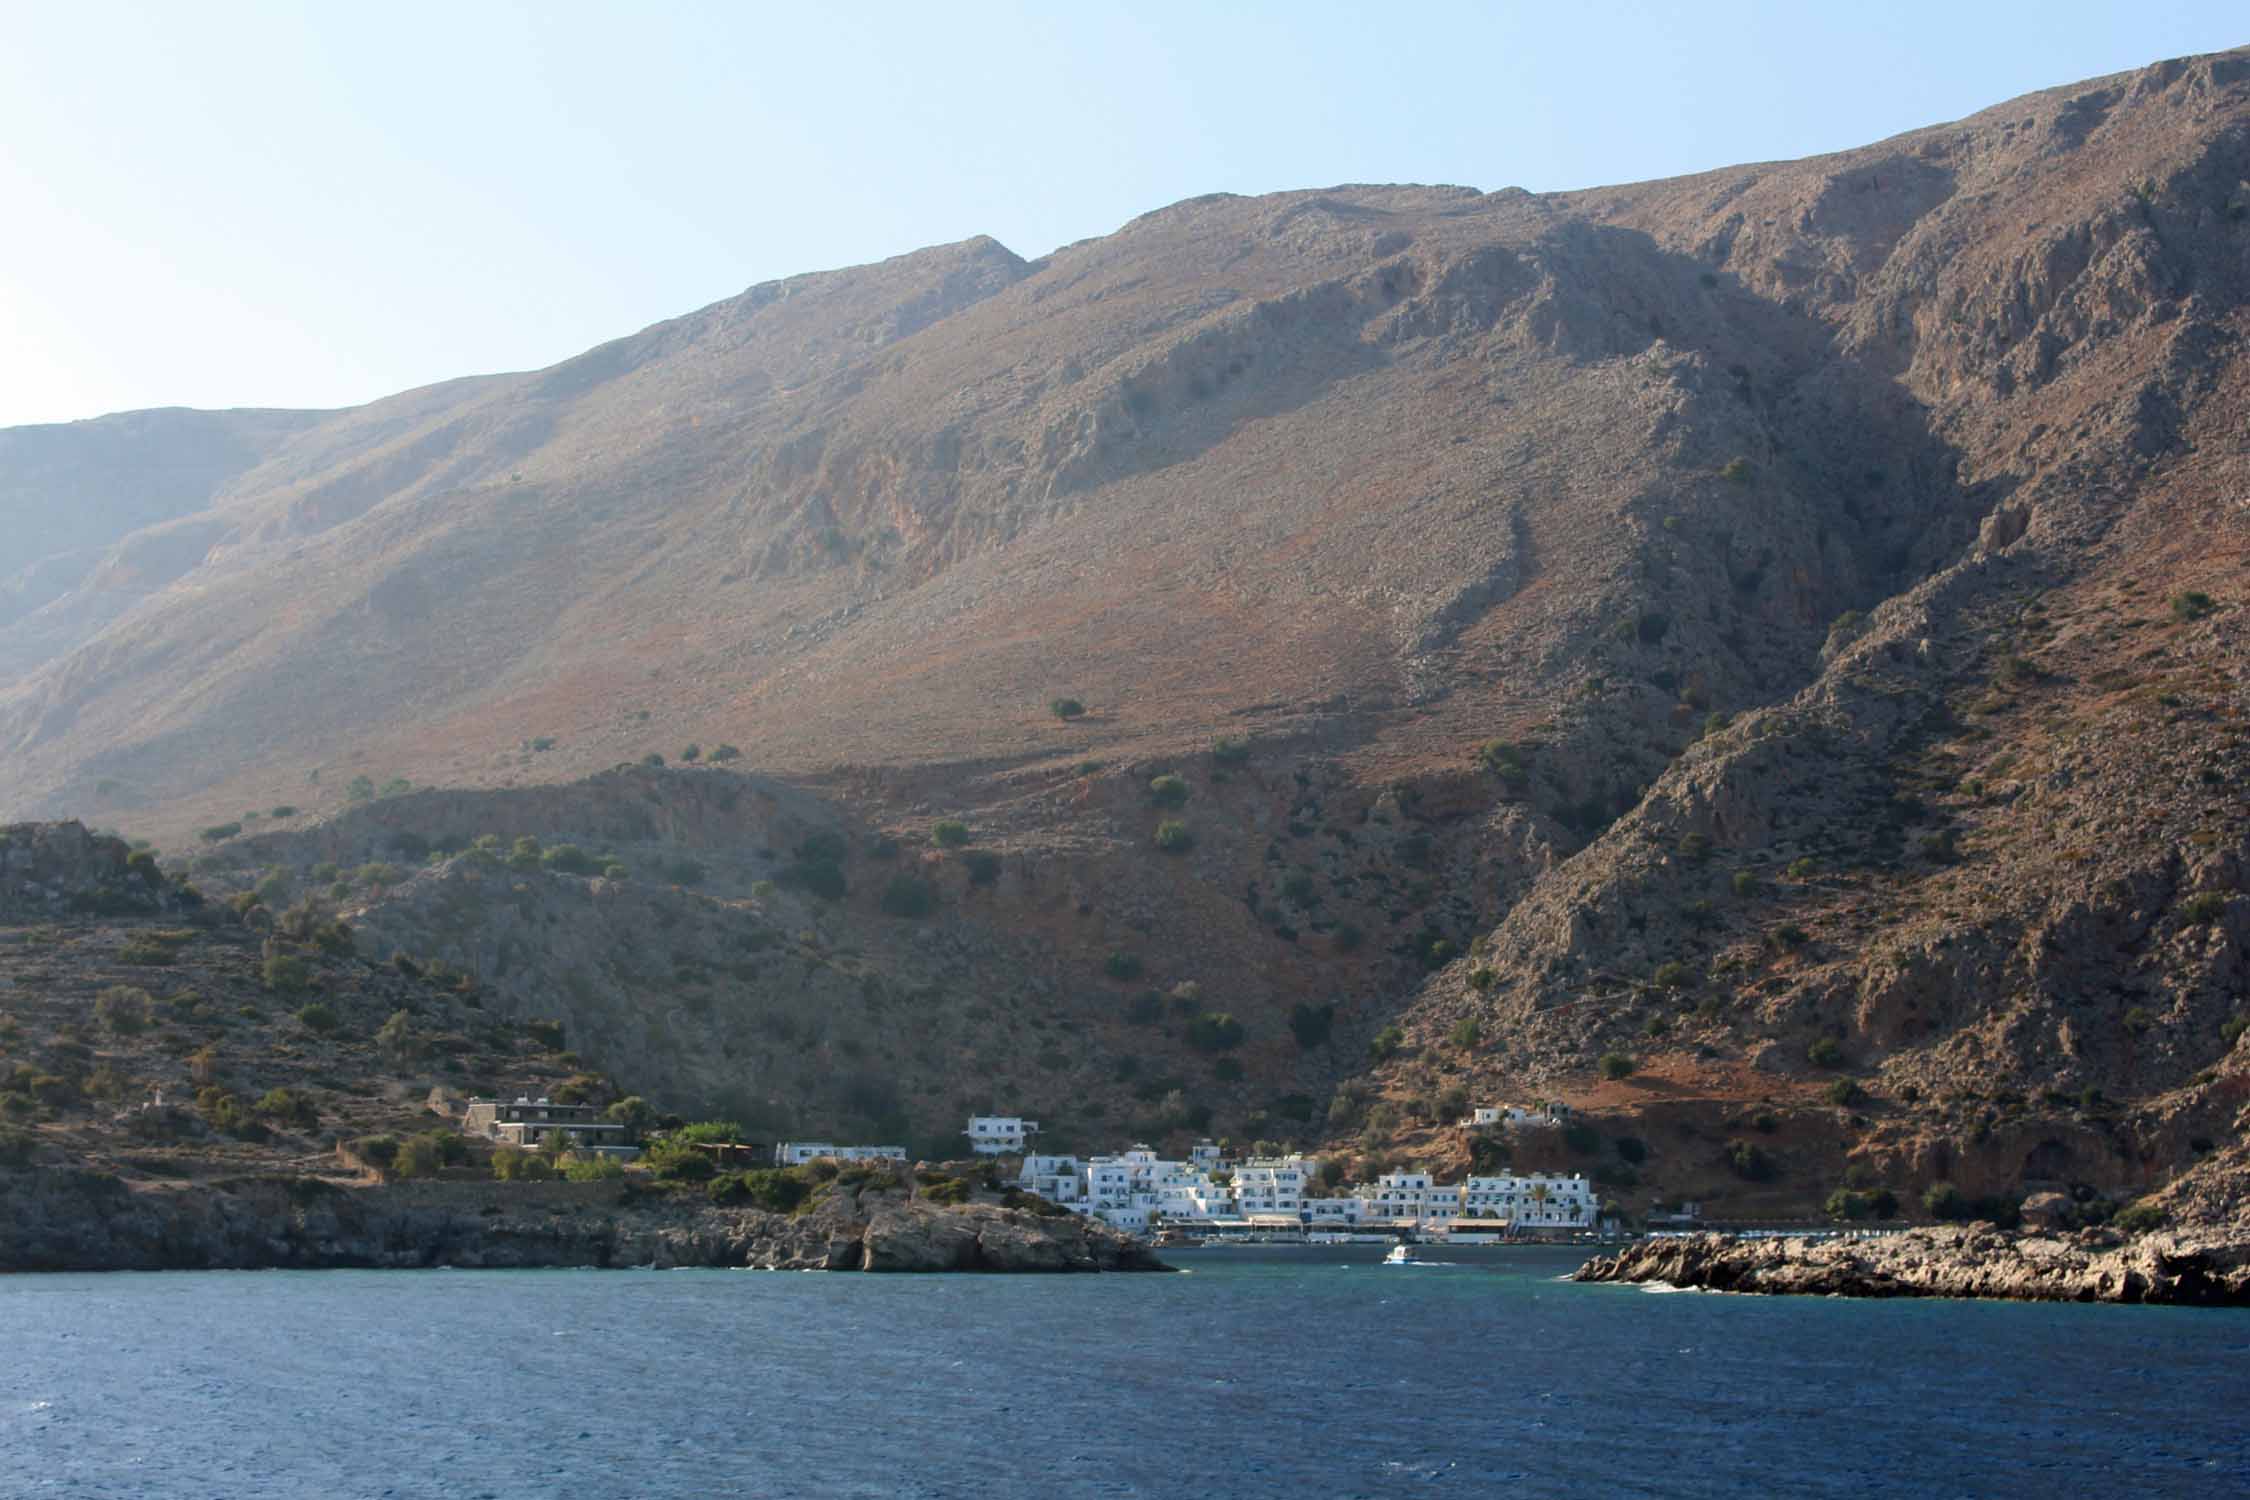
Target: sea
[{"x": 1312, "y": 1371}]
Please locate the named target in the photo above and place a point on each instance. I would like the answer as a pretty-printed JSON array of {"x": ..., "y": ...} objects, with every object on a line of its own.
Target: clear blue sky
[{"x": 208, "y": 203}]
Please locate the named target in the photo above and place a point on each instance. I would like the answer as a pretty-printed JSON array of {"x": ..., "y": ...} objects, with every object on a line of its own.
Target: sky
[{"x": 234, "y": 204}]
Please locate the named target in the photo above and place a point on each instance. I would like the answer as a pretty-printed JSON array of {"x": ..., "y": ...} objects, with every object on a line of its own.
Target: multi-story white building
[
  {"x": 1400, "y": 1195},
  {"x": 1273, "y": 1185},
  {"x": 797, "y": 1153},
  {"x": 999, "y": 1135},
  {"x": 1538, "y": 1201},
  {"x": 1350, "y": 1210}
]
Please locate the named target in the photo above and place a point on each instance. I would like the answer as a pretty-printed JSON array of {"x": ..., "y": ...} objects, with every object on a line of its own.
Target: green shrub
[
  {"x": 1173, "y": 837},
  {"x": 378, "y": 1151},
  {"x": 1632, "y": 1148},
  {"x": 1227, "y": 1070},
  {"x": 2139, "y": 1218},
  {"x": 1386, "y": 1043},
  {"x": 939, "y": 1188},
  {"x": 1749, "y": 1161},
  {"x": 1745, "y": 884},
  {"x": 1230, "y": 750},
  {"x": 569, "y": 859},
  {"x": 1825, "y": 1053},
  {"x": 287, "y": 974},
  {"x": 417, "y": 1156},
  {"x": 616, "y": 870},
  {"x": 908, "y": 896},
  {"x": 1346, "y": 937},
  {"x": 1214, "y": 1031},
  {"x": 2138, "y": 1019},
  {"x": 1504, "y": 760},
  {"x": 1695, "y": 848},
  {"x": 1311, "y": 1024},
  {"x": 2203, "y": 906},
  {"x": 949, "y": 833},
  {"x": 589, "y": 1166},
  {"x": 725, "y": 753},
  {"x": 676, "y": 1160},
  {"x": 1615, "y": 1065},
  {"x": 1735, "y": 471},
  {"x": 219, "y": 832},
  {"x": 1842, "y": 1091},
  {"x": 983, "y": 866},
  {"x": 2231, "y": 1029},
  {"x": 1944, "y": 1201},
  {"x": 1847, "y": 1204},
  {"x": 1169, "y": 789},
  {"x": 317, "y": 1017},
  {"x": 289, "y": 1107},
  {"x": 691, "y": 754},
  {"x": 514, "y": 1164},
  {"x": 2192, "y": 605},
  {"x": 1582, "y": 1138},
  {"x": 16, "y": 1146},
  {"x": 1122, "y": 966},
  {"x": 685, "y": 872},
  {"x": 1467, "y": 1033},
  {"x": 1672, "y": 976},
  {"x": 1803, "y": 869},
  {"x": 1066, "y": 708},
  {"x": 123, "y": 1009}
]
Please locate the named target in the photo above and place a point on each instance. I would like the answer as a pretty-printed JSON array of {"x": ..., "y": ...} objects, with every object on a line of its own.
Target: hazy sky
[{"x": 206, "y": 203}]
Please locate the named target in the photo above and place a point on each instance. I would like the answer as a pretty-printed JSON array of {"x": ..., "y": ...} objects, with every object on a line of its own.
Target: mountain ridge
[{"x": 1572, "y": 596}]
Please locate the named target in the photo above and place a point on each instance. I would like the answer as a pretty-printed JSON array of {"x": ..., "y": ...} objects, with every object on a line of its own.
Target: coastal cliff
[
  {"x": 2204, "y": 1269},
  {"x": 71, "y": 1220}
]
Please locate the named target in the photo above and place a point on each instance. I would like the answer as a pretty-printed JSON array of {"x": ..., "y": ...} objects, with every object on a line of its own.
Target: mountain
[{"x": 1775, "y": 634}]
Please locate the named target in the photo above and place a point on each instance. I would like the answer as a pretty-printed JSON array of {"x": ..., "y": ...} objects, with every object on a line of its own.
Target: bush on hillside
[
  {"x": 1174, "y": 837},
  {"x": 908, "y": 896}
]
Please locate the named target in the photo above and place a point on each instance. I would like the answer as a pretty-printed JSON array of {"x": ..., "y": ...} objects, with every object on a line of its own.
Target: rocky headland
[
  {"x": 73, "y": 1220},
  {"x": 2199, "y": 1268}
]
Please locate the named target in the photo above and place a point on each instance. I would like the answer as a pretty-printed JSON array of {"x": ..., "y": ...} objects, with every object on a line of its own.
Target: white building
[
  {"x": 1058, "y": 1179},
  {"x": 1273, "y": 1185},
  {"x": 1400, "y": 1195},
  {"x": 1516, "y": 1116},
  {"x": 999, "y": 1135},
  {"x": 797, "y": 1153},
  {"x": 1538, "y": 1201},
  {"x": 1351, "y": 1210}
]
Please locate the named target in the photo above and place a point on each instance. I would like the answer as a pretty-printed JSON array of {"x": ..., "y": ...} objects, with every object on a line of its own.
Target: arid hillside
[{"x": 1776, "y": 632}]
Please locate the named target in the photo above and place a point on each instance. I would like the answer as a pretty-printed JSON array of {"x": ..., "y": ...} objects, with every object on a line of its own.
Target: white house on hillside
[{"x": 999, "y": 1135}]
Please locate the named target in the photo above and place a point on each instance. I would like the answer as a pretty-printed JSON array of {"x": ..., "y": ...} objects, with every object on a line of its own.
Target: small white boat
[{"x": 1402, "y": 1255}]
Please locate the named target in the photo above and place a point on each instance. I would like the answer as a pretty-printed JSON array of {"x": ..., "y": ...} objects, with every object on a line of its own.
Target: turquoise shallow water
[{"x": 1285, "y": 1372}]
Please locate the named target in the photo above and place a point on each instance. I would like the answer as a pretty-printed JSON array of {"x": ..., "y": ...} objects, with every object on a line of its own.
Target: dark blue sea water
[{"x": 1285, "y": 1372}]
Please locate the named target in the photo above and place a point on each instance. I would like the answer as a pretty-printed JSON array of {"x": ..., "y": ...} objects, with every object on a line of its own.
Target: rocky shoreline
[
  {"x": 72, "y": 1220},
  {"x": 2203, "y": 1268}
]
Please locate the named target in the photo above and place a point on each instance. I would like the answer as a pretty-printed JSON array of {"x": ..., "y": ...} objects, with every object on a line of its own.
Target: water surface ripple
[{"x": 1282, "y": 1372}]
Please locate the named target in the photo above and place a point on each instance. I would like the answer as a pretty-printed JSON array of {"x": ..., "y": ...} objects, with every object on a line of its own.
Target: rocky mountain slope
[{"x": 1775, "y": 635}]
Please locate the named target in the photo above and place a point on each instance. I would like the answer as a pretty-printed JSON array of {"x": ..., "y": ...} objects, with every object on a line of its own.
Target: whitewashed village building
[
  {"x": 1137, "y": 1189},
  {"x": 999, "y": 1135}
]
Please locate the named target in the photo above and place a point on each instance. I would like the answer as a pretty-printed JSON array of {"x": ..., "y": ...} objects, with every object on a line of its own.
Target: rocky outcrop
[
  {"x": 70, "y": 1220},
  {"x": 2208, "y": 1268},
  {"x": 59, "y": 869}
]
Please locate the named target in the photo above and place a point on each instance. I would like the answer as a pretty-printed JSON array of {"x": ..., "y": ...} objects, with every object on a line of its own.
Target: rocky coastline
[
  {"x": 75, "y": 1220},
  {"x": 2200, "y": 1268}
]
